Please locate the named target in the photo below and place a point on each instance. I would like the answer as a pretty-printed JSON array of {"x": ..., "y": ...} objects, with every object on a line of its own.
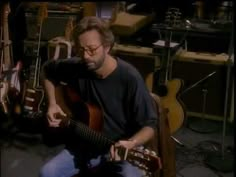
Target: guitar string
[
  {"x": 93, "y": 133},
  {"x": 98, "y": 135},
  {"x": 86, "y": 128},
  {"x": 146, "y": 156}
]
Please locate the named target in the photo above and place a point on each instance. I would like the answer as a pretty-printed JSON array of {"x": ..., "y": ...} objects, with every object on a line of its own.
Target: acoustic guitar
[
  {"x": 87, "y": 119},
  {"x": 169, "y": 89}
]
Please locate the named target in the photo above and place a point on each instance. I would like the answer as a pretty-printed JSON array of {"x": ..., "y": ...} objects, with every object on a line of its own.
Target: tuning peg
[
  {"x": 153, "y": 153},
  {"x": 146, "y": 151},
  {"x": 139, "y": 148}
]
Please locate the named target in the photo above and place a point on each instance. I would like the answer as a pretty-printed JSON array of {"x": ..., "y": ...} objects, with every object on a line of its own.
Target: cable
[{"x": 194, "y": 156}]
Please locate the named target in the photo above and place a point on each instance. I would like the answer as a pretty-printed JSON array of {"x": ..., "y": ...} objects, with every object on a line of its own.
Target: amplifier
[
  {"x": 193, "y": 68},
  {"x": 54, "y": 25}
]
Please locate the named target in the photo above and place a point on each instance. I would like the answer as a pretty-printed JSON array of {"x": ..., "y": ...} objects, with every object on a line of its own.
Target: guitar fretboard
[{"x": 90, "y": 135}]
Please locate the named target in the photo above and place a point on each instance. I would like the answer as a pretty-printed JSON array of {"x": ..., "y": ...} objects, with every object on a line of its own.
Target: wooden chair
[
  {"x": 165, "y": 144},
  {"x": 162, "y": 144}
]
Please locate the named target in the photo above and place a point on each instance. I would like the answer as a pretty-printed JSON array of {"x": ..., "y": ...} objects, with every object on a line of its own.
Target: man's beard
[{"x": 93, "y": 66}]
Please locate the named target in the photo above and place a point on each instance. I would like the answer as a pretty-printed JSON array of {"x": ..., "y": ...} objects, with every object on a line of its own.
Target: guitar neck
[
  {"x": 35, "y": 67},
  {"x": 149, "y": 162},
  {"x": 90, "y": 135},
  {"x": 172, "y": 20},
  {"x": 165, "y": 64},
  {"x": 8, "y": 62}
]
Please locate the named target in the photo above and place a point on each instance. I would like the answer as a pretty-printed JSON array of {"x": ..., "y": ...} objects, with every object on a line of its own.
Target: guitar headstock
[
  {"x": 42, "y": 13},
  {"x": 173, "y": 17},
  {"x": 69, "y": 28},
  {"x": 144, "y": 159}
]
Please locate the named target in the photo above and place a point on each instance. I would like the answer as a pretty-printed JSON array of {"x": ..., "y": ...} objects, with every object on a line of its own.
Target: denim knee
[
  {"x": 49, "y": 170},
  {"x": 62, "y": 165},
  {"x": 129, "y": 170}
]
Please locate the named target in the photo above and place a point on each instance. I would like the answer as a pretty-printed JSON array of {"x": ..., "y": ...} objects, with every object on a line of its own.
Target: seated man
[{"x": 116, "y": 87}]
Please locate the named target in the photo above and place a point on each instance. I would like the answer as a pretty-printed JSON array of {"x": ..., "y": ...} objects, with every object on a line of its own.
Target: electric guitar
[
  {"x": 33, "y": 95},
  {"x": 86, "y": 119},
  {"x": 168, "y": 89}
]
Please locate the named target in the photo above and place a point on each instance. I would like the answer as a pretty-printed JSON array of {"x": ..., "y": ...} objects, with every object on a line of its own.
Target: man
[{"x": 129, "y": 117}]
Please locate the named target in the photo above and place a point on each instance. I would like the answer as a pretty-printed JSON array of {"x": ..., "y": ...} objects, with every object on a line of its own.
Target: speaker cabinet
[
  {"x": 144, "y": 64},
  {"x": 54, "y": 25},
  {"x": 195, "y": 86}
]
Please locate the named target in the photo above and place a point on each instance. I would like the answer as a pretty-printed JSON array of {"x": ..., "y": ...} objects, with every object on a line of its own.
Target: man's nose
[{"x": 85, "y": 54}]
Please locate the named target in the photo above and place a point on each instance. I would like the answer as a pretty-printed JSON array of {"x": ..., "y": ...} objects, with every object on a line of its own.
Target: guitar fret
[{"x": 92, "y": 135}]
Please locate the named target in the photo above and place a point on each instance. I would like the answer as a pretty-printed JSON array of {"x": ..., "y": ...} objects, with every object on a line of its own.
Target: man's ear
[{"x": 107, "y": 48}]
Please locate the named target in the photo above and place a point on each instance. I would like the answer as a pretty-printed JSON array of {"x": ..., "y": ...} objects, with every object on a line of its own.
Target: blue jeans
[{"x": 63, "y": 165}]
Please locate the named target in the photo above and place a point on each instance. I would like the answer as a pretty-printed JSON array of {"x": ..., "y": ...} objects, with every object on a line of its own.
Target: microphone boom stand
[
  {"x": 224, "y": 161},
  {"x": 203, "y": 125}
]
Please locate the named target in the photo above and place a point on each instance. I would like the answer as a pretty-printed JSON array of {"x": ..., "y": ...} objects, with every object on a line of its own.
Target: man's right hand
[{"x": 54, "y": 115}]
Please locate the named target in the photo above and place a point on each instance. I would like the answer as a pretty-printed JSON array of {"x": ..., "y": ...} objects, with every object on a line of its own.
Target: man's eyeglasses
[{"x": 90, "y": 51}]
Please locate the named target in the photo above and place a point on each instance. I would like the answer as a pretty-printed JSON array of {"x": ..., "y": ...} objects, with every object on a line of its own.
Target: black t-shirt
[{"x": 122, "y": 96}]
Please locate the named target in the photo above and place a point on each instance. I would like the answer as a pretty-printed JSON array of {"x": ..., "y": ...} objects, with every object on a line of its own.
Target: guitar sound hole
[{"x": 162, "y": 90}]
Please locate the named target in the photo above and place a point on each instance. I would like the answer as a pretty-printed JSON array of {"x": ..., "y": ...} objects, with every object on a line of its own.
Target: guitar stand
[{"x": 202, "y": 125}]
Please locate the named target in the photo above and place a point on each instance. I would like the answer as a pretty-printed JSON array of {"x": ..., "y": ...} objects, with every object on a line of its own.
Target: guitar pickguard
[{"x": 33, "y": 100}]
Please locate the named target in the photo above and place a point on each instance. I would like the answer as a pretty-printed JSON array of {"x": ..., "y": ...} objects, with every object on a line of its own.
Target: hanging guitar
[
  {"x": 33, "y": 95},
  {"x": 14, "y": 92},
  {"x": 169, "y": 89},
  {"x": 86, "y": 121},
  {"x": 6, "y": 60}
]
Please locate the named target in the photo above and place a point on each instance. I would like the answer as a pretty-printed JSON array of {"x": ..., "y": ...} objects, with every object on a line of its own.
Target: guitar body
[
  {"x": 87, "y": 113},
  {"x": 15, "y": 92},
  {"x": 171, "y": 101},
  {"x": 33, "y": 99}
]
